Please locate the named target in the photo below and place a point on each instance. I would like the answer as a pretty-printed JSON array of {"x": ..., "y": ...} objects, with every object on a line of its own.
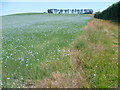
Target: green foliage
[
  {"x": 81, "y": 45},
  {"x": 49, "y": 11},
  {"x": 111, "y": 13}
]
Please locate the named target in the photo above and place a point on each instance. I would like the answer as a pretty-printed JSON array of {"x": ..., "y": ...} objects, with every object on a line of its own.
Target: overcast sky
[{"x": 24, "y": 6}]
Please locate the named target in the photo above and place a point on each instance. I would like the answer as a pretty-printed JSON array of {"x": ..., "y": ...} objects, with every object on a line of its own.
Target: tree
[
  {"x": 61, "y": 11},
  {"x": 50, "y": 11},
  {"x": 111, "y": 13}
]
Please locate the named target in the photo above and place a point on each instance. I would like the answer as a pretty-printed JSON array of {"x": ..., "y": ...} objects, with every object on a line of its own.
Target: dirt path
[{"x": 90, "y": 25}]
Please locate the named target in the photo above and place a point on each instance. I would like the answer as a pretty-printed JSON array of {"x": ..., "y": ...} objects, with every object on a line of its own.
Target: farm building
[{"x": 70, "y": 11}]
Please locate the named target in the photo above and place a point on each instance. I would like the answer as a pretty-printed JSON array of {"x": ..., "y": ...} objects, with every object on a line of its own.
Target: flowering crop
[{"x": 30, "y": 40}]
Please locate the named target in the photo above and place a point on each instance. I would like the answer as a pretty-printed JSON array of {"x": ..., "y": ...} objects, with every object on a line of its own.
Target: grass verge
[{"x": 99, "y": 53}]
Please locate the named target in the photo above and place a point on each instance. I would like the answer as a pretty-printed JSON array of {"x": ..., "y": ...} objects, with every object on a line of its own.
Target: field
[
  {"x": 58, "y": 50},
  {"x": 29, "y": 41}
]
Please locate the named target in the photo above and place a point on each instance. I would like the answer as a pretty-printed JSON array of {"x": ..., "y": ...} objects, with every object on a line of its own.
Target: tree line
[
  {"x": 70, "y": 11},
  {"x": 111, "y": 13}
]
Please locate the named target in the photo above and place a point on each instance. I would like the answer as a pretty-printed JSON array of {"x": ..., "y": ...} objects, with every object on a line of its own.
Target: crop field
[
  {"x": 33, "y": 43},
  {"x": 59, "y": 51}
]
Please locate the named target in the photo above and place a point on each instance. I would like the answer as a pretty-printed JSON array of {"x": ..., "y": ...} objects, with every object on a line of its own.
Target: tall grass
[{"x": 99, "y": 54}]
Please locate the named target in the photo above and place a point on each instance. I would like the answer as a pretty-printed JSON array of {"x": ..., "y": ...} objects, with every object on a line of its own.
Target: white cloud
[{"x": 59, "y": 0}]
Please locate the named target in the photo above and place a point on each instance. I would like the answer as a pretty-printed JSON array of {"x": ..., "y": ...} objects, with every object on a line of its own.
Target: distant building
[{"x": 70, "y": 11}]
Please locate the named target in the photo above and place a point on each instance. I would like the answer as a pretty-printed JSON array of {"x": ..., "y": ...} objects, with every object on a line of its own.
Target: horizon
[{"x": 40, "y": 7}]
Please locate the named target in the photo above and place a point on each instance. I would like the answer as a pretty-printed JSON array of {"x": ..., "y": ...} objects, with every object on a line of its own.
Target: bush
[{"x": 111, "y": 13}]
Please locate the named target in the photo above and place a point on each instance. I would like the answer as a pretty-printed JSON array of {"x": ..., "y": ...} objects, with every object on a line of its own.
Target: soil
[{"x": 90, "y": 25}]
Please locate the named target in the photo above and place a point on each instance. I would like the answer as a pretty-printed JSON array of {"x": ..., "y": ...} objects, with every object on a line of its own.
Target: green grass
[
  {"x": 100, "y": 55},
  {"x": 32, "y": 45}
]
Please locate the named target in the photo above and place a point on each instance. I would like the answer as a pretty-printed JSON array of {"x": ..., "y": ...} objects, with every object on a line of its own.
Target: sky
[
  {"x": 25, "y": 6},
  {"x": 59, "y": 0}
]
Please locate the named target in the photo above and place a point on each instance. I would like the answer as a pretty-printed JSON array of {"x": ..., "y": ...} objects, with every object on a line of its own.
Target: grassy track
[
  {"x": 32, "y": 46},
  {"x": 98, "y": 48}
]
